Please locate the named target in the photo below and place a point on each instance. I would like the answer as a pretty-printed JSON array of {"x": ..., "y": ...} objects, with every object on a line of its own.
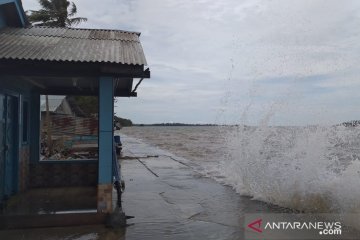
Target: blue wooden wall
[{"x": 22, "y": 92}]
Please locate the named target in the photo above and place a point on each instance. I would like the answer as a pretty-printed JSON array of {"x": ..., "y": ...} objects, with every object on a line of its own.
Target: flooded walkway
[{"x": 169, "y": 201}]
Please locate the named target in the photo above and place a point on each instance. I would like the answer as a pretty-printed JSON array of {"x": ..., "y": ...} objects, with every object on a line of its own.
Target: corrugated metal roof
[{"x": 70, "y": 44}]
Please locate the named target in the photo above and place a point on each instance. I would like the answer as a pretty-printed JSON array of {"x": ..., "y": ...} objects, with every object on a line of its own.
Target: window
[{"x": 69, "y": 127}]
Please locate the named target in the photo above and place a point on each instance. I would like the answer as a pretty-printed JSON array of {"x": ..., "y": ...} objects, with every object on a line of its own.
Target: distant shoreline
[
  {"x": 174, "y": 125},
  {"x": 352, "y": 123}
]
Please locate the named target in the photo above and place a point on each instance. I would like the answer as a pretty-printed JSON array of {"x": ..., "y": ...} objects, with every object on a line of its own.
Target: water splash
[{"x": 312, "y": 169}]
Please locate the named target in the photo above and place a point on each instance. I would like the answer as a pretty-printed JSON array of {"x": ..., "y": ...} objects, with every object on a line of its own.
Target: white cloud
[{"x": 209, "y": 55}]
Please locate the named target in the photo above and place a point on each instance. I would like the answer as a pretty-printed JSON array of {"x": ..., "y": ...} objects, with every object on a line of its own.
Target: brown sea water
[
  {"x": 307, "y": 168},
  {"x": 232, "y": 171}
]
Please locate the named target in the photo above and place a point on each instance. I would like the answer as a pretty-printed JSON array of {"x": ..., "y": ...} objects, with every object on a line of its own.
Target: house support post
[{"x": 106, "y": 138}]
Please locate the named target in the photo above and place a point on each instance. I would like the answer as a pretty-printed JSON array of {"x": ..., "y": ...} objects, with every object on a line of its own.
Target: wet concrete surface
[
  {"x": 51, "y": 200},
  {"x": 169, "y": 201}
]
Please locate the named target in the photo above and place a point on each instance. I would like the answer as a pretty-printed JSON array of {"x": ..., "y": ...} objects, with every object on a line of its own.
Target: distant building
[{"x": 57, "y": 104}]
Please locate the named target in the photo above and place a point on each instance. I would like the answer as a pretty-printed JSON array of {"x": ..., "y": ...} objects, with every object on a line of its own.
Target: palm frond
[
  {"x": 55, "y": 13},
  {"x": 67, "y": 4},
  {"x": 39, "y": 16},
  {"x": 46, "y": 4},
  {"x": 76, "y": 21},
  {"x": 73, "y": 10}
]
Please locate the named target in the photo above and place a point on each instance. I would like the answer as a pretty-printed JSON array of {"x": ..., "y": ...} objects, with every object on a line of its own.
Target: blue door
[{"x": 9, "y": 144}]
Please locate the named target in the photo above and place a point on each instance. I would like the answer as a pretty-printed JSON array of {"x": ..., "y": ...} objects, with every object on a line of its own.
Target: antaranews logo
[
  {"x": 256, "y": 225},
  {"x": 292, "y": 226}
]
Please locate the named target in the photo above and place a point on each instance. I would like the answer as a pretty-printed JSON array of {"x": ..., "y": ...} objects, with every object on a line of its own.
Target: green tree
[
  {"x": 55, "y": 13},
  {"x": 89, "y": 105},
  {"x": 123, "y": 121}
]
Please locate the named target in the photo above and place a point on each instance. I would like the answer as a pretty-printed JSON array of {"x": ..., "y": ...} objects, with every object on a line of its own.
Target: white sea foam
[{"x": 312, "y": 169}]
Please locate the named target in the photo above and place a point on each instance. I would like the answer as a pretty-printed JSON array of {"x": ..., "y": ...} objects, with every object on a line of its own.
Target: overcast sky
[{"x": 239, "y": 61}]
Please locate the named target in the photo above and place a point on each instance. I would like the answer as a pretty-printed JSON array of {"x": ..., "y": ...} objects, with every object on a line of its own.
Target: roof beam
[
  {"x": 39, "y": 85},
  {"x": 83, "y": 92},
  {"x": 71, "y": 69}
]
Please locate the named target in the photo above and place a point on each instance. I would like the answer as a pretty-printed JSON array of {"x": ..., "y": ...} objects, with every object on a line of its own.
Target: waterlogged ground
[
  {"x": 169, "y": 201},
  {"x": 172, "y": 192}
]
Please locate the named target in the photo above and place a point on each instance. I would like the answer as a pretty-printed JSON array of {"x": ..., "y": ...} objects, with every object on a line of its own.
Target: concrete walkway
[{"x": 169, "y": 201}]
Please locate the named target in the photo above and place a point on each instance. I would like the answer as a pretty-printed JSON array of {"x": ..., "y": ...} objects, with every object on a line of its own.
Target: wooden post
[{"x": 106, "y": 138}]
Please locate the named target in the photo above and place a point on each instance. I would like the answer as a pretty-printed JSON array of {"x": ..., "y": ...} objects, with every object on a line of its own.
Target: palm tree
[{"x": 55, "y": 13}]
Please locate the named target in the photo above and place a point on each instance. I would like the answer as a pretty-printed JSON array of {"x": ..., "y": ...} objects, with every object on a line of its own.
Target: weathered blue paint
[
  {"x": 20, "y": 12},
  {"x": 11, "y": 89},
  {"x": 2, "y": 20},
  {"x": 106, "y": 114},
  {"x": 22, "y": 89},
  {"x": 10, "y": 145},
  {"x": 7, "y": 1}
]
